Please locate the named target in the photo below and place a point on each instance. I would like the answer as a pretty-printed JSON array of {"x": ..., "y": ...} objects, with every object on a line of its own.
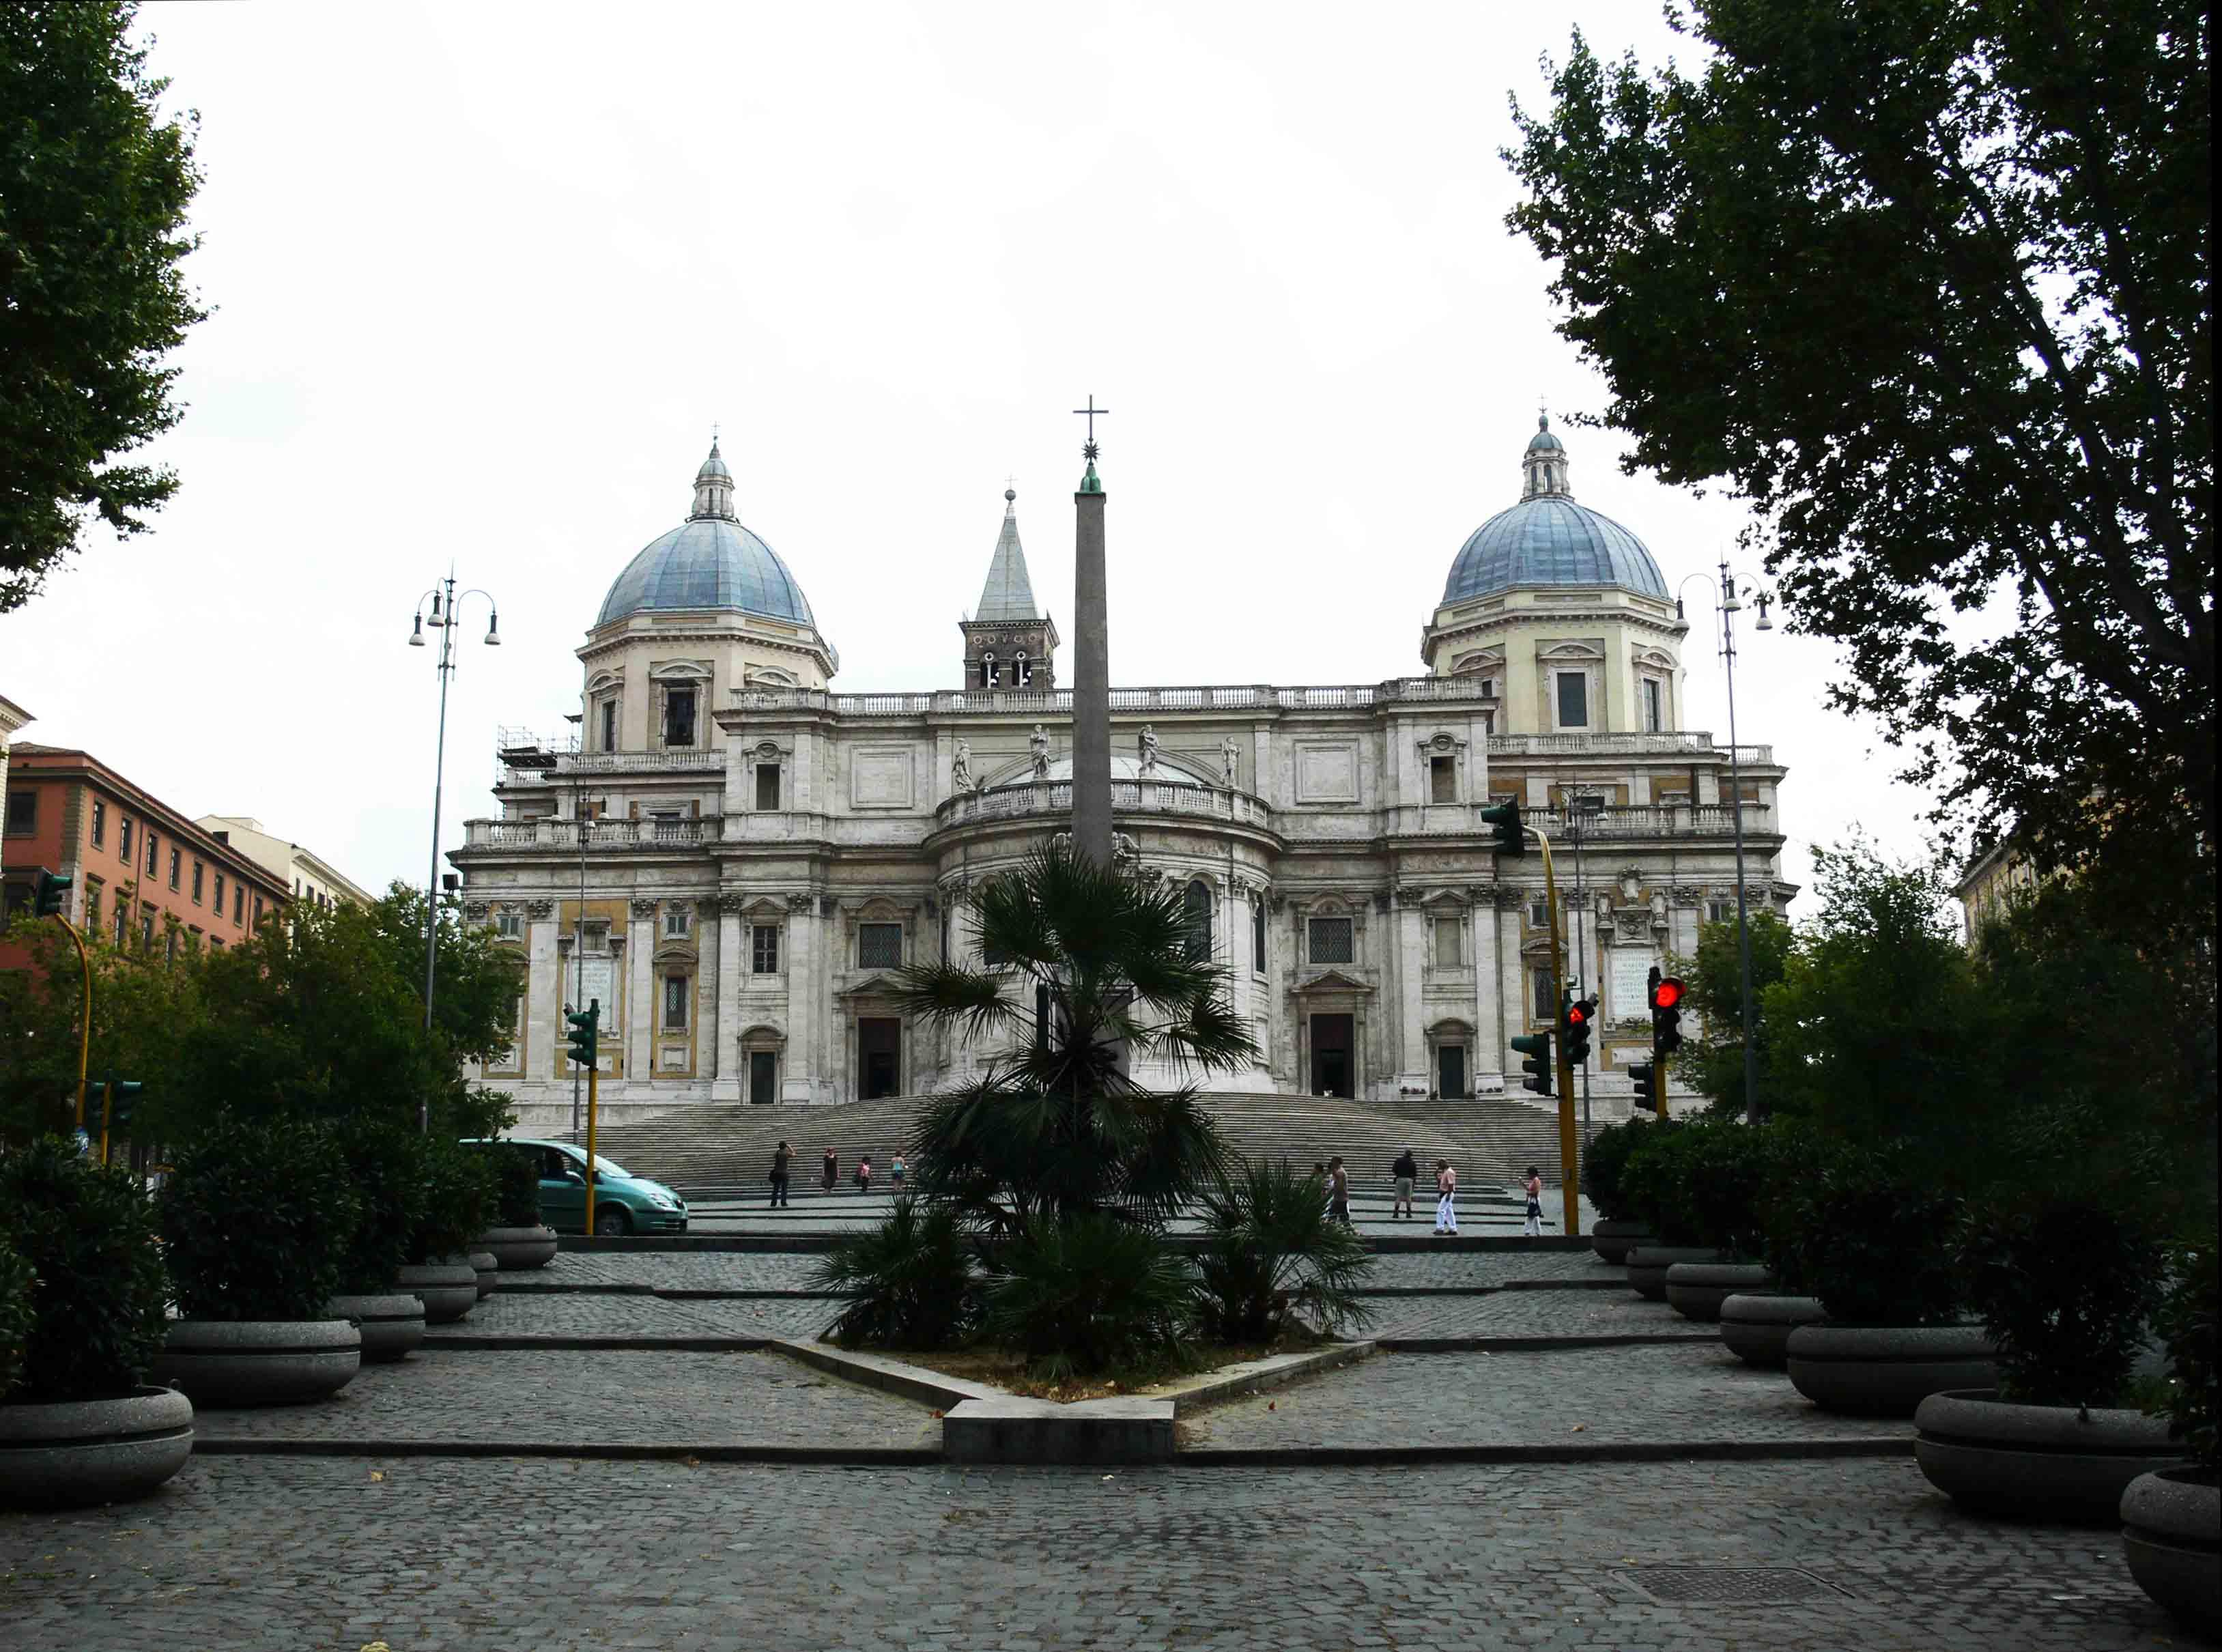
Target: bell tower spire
[{"x": 1009, "y": 643}]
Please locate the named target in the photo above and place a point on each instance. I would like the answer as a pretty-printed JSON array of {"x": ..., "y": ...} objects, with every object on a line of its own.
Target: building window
[
  {"x": 200, "y": 873},
  {"x": 1720, "y": 912},
  {"x": 1442, "y": 780},
  {"x": 609, "y": 709},
  {"x": 239, "y": 902},
  {"x": 879, "y": 946},
  {"x": 99, "y": 824},
  {"x": 1541, "y": 1008},
  {"x": 767, "y": 785},
  {"x": 22, "y": 814},
  {"x": 169, "y": 945},
  {"x": 123, "y": 841},
  {"x": 509, "y": 924},
  {"x": 1573, "y": 700},
  {"x": 764, "y": 948},
  {"x": 92, "y": 904},
  {"x": 988, "y": 677},
  {"x": 218, "y": 903},
  {"x": 154, "y": 853},
  {"x": 674, "y": 1003},
  {"x": 1197, "y": 909},
  {"x": 258, "y": 909},
  {"x": 1331, "y": 940},
  {"x": 1655, "y": 706},
  {"x": 679, "y": 717},
  {"x": 674, "y": 918},
  {"x": 1450, "y": 943},
  {"x": 177, "y": 865},
  {"x": 122, "y": 920},
  {"x": 1539, "y": 914},
  {"x": 1257, "y": 933},
  {"x": 1022, "y": 670}
]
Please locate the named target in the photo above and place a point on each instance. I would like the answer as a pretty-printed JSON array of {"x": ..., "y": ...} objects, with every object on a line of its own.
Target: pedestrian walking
[
  {"x": 781, "y": 1158},
  {"x": 1535, "y": 1186},
  {"x": 1338, "y": 1191},
  {"x": 832, "y": 1170},
  {"x": 896, "y": 1172},
  {"x": 1446, "y": 1199},
  {"x": 1319, "y": 1175},
  {"x": 864, "y": 1174},
  {"x": 1406, "y": 1170}
]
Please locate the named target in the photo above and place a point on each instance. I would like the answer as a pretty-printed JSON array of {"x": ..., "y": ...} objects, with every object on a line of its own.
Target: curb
[
  {"x": 1643, "y": 1451},
  {"x": 708, "y": 1451},
  {"x": 1530, "y": 1344},
  {"x": 505, "y": 1341},
  {"x": 776, "y": 1244}
]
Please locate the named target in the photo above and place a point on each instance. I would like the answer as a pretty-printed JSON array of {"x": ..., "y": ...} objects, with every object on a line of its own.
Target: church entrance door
[
  {"x": 763, "y": 1077},
  {"x": 1450, "y": 1070},
  {"x": 1333, "y": 1062},
  {"x": 879, "y": 1057}
]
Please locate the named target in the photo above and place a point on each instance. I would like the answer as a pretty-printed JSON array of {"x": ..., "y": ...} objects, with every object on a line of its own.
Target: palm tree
[{"x": 1085, "y": 966}]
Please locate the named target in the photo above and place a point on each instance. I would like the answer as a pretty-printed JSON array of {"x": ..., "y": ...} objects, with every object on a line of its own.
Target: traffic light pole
[
  {"x": 591, "y": 1073},
  {"x": 1570, "y": 1183},
  {"x": 84, "y": 1033}
]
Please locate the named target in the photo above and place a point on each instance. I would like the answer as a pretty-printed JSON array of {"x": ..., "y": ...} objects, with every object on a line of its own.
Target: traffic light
[
  {"x": 53, "y": 891},
  {"x": 1536, "y": 1047},
  {"x": 584, "y": 1036},
  {"x": 118, "y": 1097},
  {"x": 1665, "y": 1016},
  {"x": 1577, "y": 1018},
  {"x": 1639, "y": 1076},
  {"x": 1504, "y": 819}
]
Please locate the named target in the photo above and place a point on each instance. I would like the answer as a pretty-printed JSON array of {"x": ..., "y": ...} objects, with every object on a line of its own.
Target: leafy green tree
[
  {"x": 1054, "y": 1126},
  {"x": 1928, "y": 285},
  {"x": 1710, "y": 1060},
  {"x": 92, "y": 296},
  {"x": 475, "y": 999}
]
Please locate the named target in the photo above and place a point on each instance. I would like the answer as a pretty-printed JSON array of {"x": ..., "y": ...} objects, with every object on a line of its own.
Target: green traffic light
[
  {"x": 1536, "y": 1047},
  {"x": 53, "y": 891},
  {"x": 1504, "y": 820}
]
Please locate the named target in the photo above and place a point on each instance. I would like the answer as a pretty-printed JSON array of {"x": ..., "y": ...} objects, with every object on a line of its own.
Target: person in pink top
[
  {"x": 1535, "y": 1186},
  {"x": 1446, "y": 1199}
]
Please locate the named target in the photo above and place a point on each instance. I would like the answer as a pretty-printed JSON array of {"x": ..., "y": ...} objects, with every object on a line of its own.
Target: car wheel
[{"x": 611, "y": 1220}]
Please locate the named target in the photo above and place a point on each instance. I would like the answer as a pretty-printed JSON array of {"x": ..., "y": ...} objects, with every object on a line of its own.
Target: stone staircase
[{"x": 727, "y": 1148}]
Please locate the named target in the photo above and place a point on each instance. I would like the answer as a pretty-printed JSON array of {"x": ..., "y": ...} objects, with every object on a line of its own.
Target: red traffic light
[
  {"x": 1576, "y": 1014},
  {"x": 1667, "y": 994}
]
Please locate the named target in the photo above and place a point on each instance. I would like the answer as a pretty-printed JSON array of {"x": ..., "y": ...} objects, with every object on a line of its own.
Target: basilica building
[{"x": 734, "y": 859}]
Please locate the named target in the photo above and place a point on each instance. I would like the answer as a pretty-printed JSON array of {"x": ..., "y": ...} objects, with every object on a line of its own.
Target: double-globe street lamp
[
  {"x": 1729, "y": 590},
  {"x": 442, "y": 616}
]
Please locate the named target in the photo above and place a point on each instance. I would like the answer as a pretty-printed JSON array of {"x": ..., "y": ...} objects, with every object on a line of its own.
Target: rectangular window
[
  {"x": 99, "y": 824},
  {"x": 674, "y": 919},
  {"x": 1573, "y": 700},
  {"x": 1720, "y": 912},
  {"x": 1541, "y": 1007},
  {"x": 239, "y": 902},
  {"x": 17, "y": 903},
  {"x": 767, "y": 785},
  {"x": 1257, "y": 933},
  {"x": 177, "y": 866},
  {"x": 147, "y": 930},
  {"x": 509, "y": 923},
  {"x": 258, "y": 909},
  {"x": 218, "y": 903},
  {"x": 1331, "y": 940},
  {"x": 609, "y": 725},
  {"x": 1655, "y": 706},
  {"x": 22, "y": 814},
  {"x": 1442, "y": 780},
  {"x": 122, "y": 920},
  {"x": 764, "y": 948},
  {"x": 123, "y": 841},
  {"x": 170, "y": 946},
  {"x": 154, "y": 853},
  {"x": 1450, "y": 943},
  {"x": 1539, "y": 914},
  {"x": 200, "y": 879},
  {"x": 879, "y": 946},
  {"x": 674, "y": 1003},
  {"x": 92, "y": 904},
  {"x": 679, "y": 717}
]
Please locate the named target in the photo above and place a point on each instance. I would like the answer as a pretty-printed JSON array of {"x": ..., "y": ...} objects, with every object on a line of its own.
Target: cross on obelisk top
[{"x": 1092, "y": 412}]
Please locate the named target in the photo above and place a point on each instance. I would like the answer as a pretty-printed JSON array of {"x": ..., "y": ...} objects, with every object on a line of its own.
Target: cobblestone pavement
[
  {"x": 1533, "y": 1313},
  {"x": 1479, "y": 1270},
  {"x": 1595, "y": 1397},
  {"x": 273, "y": 1555},
  {"x": 569, "y": 1397},
  {"x": 553, "y": 1314}
]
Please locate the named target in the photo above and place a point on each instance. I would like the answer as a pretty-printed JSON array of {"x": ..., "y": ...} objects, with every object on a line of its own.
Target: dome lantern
[
  {"x": 1549, "y": 540},
  {"x": 714, "y": 489},
  {"x": 1544, "y": 464}
]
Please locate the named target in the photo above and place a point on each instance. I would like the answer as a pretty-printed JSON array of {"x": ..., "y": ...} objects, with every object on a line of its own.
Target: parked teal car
[{"x": 624, "y": 1202}]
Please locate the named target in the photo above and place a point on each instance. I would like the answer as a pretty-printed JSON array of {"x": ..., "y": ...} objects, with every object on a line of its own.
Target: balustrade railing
[
  {"x": 600, "y": 835},
  {"x": 1128, "y": 796}
]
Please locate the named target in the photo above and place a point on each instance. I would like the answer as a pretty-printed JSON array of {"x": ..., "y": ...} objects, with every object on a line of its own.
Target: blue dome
[
  {"x": 1550, "y": 540},
  {"x": 707, "y": 563}
]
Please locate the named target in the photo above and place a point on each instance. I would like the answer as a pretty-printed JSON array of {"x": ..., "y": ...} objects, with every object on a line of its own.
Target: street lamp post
[
  {"x": 580, "y": 825},
  {"x": 1728, "y": 595},
  {"x": 443, "y": 617}
]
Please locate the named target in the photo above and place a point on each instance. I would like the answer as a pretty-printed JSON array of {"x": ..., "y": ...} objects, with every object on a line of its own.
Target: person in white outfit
[
  {"x": 1445, "y": 1199},
  {"x": 1533, "y": 1185}
]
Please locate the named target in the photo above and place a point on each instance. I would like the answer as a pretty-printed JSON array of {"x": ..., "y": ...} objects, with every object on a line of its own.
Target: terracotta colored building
[{"x": 147, "y": 876}]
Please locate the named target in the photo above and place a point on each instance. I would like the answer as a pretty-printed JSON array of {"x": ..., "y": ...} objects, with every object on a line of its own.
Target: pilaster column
[
  {"x": 727, "y": 1070},
  {"x": 1412, "y": 1059},
  {"x": 800, "y": 1081},
  {"x": 1487, "y": 1055},
  {"x": 643, "y": 1004},
  {"x": 544, "y": 1000},
  {"x": 709, "y": 992}
]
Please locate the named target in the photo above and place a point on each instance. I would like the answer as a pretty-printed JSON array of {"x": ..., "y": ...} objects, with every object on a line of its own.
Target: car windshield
[{"x": 602, "y": 1166}]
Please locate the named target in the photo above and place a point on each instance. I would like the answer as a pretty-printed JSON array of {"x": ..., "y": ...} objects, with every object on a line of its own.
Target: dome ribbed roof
[
  {"x": 1551, "y": 540},
  {"x": 708, "y": 563}
]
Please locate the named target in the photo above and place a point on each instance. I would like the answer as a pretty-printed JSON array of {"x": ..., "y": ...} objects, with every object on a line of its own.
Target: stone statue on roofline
[
  {"x": 960, "y": 768},
  {"x": 1038, "y": 745},
  {"x": 1147, "y": 741}
]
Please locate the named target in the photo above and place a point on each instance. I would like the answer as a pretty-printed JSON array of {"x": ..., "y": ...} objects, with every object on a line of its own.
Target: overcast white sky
[{"x": 485, "y": 275}]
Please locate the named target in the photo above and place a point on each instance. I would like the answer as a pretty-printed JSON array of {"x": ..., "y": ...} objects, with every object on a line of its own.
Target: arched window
[
  {"x": 1197, "y": 904},
  {"x": 1022, "y": 672},
  {"x": 987, "y": 671}
]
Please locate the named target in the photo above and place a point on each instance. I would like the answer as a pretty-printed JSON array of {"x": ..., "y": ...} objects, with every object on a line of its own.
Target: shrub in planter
[
  {"x": 1090, "y": 1293},
  {"x": 1719, "y": 1170},
  {"x": 81, "y": 1320},
  {"x": 917, "y": 1283},
  {"x": 2171, "y": 1519},
  {"x": 1647, "y": 1172},
  {"x": 1609, "y": 1152},
  {"x": 385, "y": 1167},
  {"x": 1273, "y": 1254},
  {"x": 459, "y": 1198},
  {"x": 256, "y": 1218},
  {"x": 2186, "y": 1327},
  {"x": 516, "y": 1184}
]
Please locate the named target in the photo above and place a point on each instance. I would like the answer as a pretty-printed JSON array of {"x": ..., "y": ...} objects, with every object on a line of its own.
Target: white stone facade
[{"x": 750, "y": 890}]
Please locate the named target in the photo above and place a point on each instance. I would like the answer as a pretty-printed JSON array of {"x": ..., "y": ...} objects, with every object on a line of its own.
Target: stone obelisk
[{"x": 1091, "y": 669}]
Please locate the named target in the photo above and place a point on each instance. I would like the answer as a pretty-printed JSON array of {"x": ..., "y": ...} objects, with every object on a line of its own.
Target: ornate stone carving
[
  {"x": 1125, "y": 851},
  {"x": 474, "y": 911},
  {"x": 710, "y": 905},
  {"x": 1038, "y": 749},
  {"x": 799, "y": 901},
  {"x": 1509, "y": 899},
  {"x": 960, "y": 768},
  {"x": 643, "y": 908},
  {"x": 1230, "y": 761},
  {"x": 1687, "y": 894},
  {"x": 539, "y": 908}
]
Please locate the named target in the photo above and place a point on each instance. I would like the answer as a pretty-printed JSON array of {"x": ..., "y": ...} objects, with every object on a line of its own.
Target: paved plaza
[{"x": 605, "y": 1456}]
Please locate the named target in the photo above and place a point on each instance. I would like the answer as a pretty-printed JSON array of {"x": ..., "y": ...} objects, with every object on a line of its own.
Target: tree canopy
[
  {"x": 1926, "y": 282},
  {"x": 92, "y": 299}
]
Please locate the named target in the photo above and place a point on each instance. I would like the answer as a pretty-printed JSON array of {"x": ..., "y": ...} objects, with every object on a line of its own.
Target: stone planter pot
[
  {"x": 1647, "y": 1265},
  {"x": 260, "y": 1362},
  {"x": 1613, "y": 1237},
  {"x": 2045, "y": 1461},
  {"x": 2172, "y": 1538},
  {"x": 1755, "y": 1325},
  {"x": 1887, "y": 1370},
  {"x": 1697, "y": 1290},
  {"x": 488, "y": 1269},
  {"x": 391, "y": 1325},
  {"x": 519, "y": 1249},
  {"x": 72, "y": 1453},
  {"x": 447, "y": 1291}
]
